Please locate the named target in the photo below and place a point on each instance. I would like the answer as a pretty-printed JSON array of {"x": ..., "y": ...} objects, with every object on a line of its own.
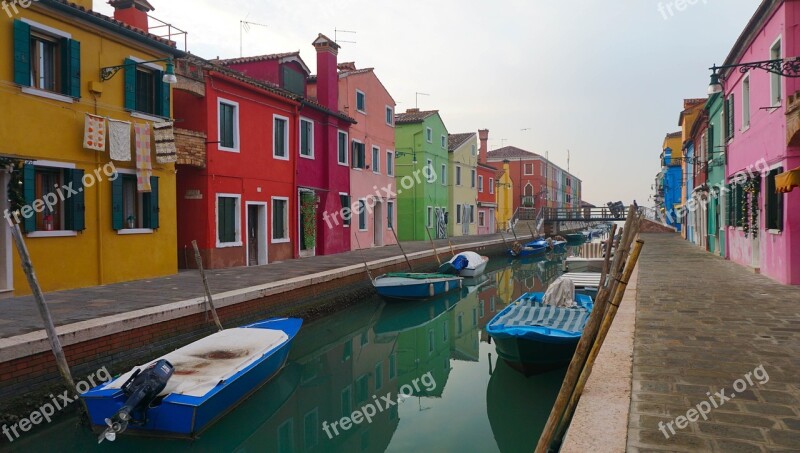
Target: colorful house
[
  {"x": 505, "y": 196},
  {"x": 717, "y": 198},
  {"x": 463, "y": 184},
  {"x": 325, "y": 155},
  {"x": 372, "y": 177},
  {"x": 487, "y": 191},
  {"x": 73, "y": 199},
  {"x": 671, "y": 177},
  {"x": 698, "y": 191},
  {"x": 422, "y": 178},
  {"x": 236, "y": 168},
  {"x": 764, "y": 225},
  {"x": 692, "y": 108}
]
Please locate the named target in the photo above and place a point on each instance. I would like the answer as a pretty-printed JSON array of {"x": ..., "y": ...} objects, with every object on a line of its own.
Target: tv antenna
[
  {"x": 336, "y": 32},
  {"x": 416, "y": 98},
  {"x": 244, "y": 26}
]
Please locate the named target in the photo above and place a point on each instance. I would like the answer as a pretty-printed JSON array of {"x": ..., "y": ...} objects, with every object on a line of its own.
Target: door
[
  {"x": 307, "y": 222},
  {"x": 377, "y": 215},
  {"x": 464, "y": 219},
  {"x": 492, "y": 229},
  {"x": 6, "y": 259},
  {"x": 256, "y": 234}
]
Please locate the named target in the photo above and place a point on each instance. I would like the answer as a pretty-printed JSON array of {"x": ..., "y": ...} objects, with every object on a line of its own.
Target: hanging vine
[
  {"x": 308, "y": 208},
  {"x": 750, "y": 209},
  {"x": 16, "y": 196}
]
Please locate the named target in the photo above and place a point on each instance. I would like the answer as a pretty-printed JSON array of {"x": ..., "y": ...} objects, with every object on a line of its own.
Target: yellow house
[
  {"x": 505, "y": 197},
  {"x": 85, "y": 220},
  {"x": 463, "y": 184}
]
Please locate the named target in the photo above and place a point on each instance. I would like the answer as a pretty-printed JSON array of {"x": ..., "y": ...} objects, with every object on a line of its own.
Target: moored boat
[
  {"x": 186, "y": 391},
  {"x": 465, "y": 264},
  {"x": 575, "y": 237},
  {"x": 414, "y": 285}
]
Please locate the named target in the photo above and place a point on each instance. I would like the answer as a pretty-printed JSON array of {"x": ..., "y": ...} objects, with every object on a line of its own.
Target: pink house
[
  {"x": 363, "y": 97},
  {"x": 761, "y": 131}
]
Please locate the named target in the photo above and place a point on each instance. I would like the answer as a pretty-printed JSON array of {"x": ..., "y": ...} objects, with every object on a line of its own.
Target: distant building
[
  {"x": 463, "y": 184},
  {"x": 715, "y": 152},
  {"x": 487, "y": 188},
  {"x": 692, "y": 109},
  {"x": 505, "y": 196},
  {"x": 669, "y": 182}
]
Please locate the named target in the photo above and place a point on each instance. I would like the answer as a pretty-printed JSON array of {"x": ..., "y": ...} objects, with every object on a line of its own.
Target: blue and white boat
[
  {"x": 538, "y": 247},
  {"x": 415, "y": 285},
  {"x": 533, "y": 337},
  {"x": 186, "y": 391}
]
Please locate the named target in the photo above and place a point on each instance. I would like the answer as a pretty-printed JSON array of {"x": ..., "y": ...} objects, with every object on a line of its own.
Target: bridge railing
[{"x": 598, "y": 214}]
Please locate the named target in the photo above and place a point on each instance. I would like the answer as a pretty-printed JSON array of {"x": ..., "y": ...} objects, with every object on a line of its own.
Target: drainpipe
[{"x": 295, "y": 207}]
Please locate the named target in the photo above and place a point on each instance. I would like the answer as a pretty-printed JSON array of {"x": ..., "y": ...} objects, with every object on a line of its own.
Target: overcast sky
[{"x": 603, "y": 79}]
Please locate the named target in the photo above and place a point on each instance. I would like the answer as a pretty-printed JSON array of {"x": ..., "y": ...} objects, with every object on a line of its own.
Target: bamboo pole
[
  {"x": 44, "y": 312},
  {"x": 391, "y": 227},
  {"x": 433, "y": 245},
  {"x": 613, "y": 306},
  {"x": 502, "y": 236},
  {"x": 363, "y": 258},
  {"x": 209, "y": 300},
  {"x": 533, "y": 235},
  {"x": 451, "y": 247},
  {"x": 607, "y": 260}
]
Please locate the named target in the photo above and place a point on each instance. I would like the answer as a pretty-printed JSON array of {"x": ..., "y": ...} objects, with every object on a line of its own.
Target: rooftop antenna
[
  {"x": 336, "y": 32},
  {"x": 417, "y": 95},
  {"x": 567, "y": 161},
  {"x": 244, "y": 26}
]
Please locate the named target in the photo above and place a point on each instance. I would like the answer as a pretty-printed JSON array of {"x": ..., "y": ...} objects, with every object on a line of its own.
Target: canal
[{"x": 460, "y": 397}]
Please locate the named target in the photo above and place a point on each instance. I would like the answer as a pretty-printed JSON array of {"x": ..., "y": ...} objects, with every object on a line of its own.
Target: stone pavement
[
  {"x": 703, "y": 324},
  {"x": 19, "y": 315}
]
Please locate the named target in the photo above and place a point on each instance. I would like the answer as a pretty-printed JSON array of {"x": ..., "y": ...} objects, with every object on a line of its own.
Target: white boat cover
[
  {"x": 560, "y": 293},
  {"x": 201, "y": 365},
  {"x": 473, "y": 259}
]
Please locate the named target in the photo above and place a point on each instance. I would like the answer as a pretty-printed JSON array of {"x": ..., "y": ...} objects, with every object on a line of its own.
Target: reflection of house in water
[{"x": 463, "y": 320}]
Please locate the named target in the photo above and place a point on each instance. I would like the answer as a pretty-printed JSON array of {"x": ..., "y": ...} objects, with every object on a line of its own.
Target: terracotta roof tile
[
  {"x": 454, "y": 141},
  {"x": 413, "y": 116},
  {"x": 267, "y": 57},
  {"x": 511, "y": 152}
]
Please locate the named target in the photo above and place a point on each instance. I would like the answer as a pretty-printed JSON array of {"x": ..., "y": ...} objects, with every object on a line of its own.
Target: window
[
  {"x": 729, "y": 118},
  {"x": 472, "y": 179},
  {"x": 460, "y": 324},
  {"x": 746, "y": 103},
  {"x": 280, "y": 130},
  {"x": 342, "y": 147},
  {"x": 362, "y": 214},
  {"x": 445, "y": 331},
  {"x": 430, "y": 217},
  {"x": 280, "y": 219},
  {"x": 46, "y": 60},
  {"x": 480, "y": 183},
  {"x": 50, "y": 219},
  {"x": 474, "y": 150},
  {"x": 311, "y": 429},
  {"x": 362, "y": 388},
  {"x": 390, "y": 214},
  {"x": 389, "y": 163},
  {"x": 481, "y": 218},
  {"x": 292, "y": 80},
  {"x": 774, "y": 202},
  {"x": 389, "y": 116},
  {"x": 346, "y": 214},
  {"x": 458, "y": 175},
  {"x": 347, "y": 402},
  {"x": 347, "y": 350},
  {"x": 378, "y": 376},
  {"x": 228, "y": 125},
  {"x": 358, "y": 156},
  {"x": 286, "y": 437},
  {"x": 458, "y": 214},
  {"x": 528, "y": 169},
  {"x": 376, "y": 159},
  {"x": 306, "y": 138},
  {"x": 443, "y": 173},
  {"x": 40, "y": 181},
  {"x": 491, "y": 185},
  {"x": 444, "y": 142},
  {"x": 228, "y": 220},
  {"x": 361, "y": 101},
  {"x": 429, "y": 135},
  {"x": 775, "y": 53},
  {"x": 430, "y": 169},
  {"x": 472, "y": 213}
]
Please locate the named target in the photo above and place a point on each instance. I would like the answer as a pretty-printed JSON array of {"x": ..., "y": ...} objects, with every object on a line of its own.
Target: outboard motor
[{"x": 141, "y": 389}]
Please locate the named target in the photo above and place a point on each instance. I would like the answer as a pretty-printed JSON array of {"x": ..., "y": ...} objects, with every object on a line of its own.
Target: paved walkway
[
  {"x": 19, "y": 315},
  {"x": 703, "y": 324}
]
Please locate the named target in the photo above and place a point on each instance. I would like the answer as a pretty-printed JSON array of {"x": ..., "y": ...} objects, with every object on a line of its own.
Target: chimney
[
  {"x": 483, "y": 135},
  {"x": 132, "y": 12},
  {"x": 327, "y": 72},
  {"x": 414, "y": 110}
]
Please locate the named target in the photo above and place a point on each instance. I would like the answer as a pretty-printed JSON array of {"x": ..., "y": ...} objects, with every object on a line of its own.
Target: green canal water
[{"x": 465, "y": 399}]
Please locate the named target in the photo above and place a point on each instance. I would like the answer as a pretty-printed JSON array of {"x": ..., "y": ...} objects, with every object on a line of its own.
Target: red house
[
  {"x": 487, "y": 197},
  {"x": 236, "y": 169},
  {"x": 322, "y": 152}
]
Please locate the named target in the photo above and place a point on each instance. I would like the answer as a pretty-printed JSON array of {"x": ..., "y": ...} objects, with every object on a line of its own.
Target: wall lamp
[
  {"x": 789, "y": 67},
  {"x": 109, "y": 72},
  {"x": 413, "y": 155}
]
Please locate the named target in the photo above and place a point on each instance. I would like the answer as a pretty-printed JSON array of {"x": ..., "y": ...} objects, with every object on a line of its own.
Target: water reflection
[{"x": 350, "y": 359}]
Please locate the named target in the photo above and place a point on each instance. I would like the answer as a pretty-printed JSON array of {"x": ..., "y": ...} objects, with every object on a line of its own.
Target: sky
[{"x": 602, "y": 79}]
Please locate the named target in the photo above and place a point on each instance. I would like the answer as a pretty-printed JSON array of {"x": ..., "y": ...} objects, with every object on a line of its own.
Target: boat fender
[
  {"x": 446, "y": 286},
  {"x": 430, "y": 289},
  {"x": 460, "y": 284}
]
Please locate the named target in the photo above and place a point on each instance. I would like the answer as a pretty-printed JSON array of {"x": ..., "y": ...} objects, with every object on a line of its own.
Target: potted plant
[
  {"x": 131, "y": 222},
  {"x": 47, "y": 220}
]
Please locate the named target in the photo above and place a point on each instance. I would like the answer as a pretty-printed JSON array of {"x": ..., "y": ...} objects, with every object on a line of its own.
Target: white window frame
[
  {"x": 365, "y": 154},
  {"x": 390, "y": 214},
  {"x": 238, "y": 220},
  {"x": 390, "y": 115},
  {"x": 444, "y": 174},
  {"x": 61, "y": 233},
  {"x": 286, "y": 221},
  {"x": 236, "y": 144},
  {"x": 359, "y": 92},
  {"x": 389, "y": 168},
  {"x": 364, "y": 213},
  {"x": 430, "y": 165},
  {"x": 745, "y": 103},
  {"x": 480, "y": 183},
  {"x": 346, "y": 162},
  {"x": 310, "y": 138},
  {"x": 776, "y": 99},
  {"x": 286, "y": 140},
  {"x": 124, "y": 231},
  {"x": 345, "y": 222},
  {"x": 481, "y": 218},
  {"x": 444, "y": 142},
  {"x": 525, "y": 168},
  {"x": 429, "y": 218},
  {"x": 472, "y": 215},
  {"x": 491, "y": 186},
  {"x": 376, "y": 152},
  {"x": 429, "y": 135}
]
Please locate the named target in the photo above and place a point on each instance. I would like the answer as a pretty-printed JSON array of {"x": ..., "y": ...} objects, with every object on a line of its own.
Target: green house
[
  {"x": 717, "y": 212},
  {"x": 421, "y": 142}
]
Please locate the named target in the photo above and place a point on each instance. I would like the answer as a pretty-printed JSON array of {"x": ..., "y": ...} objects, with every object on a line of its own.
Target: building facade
[
  {"x": 487, "y": 188},
  {"x": 422, "y": 175},
  {"x": 505, "y": 196},
  {"x": 51, "y": 75},
  {"x": 717, "y": 203},
  {"x": 670, "y": 181},
  {"x": 463, "y": 184}
]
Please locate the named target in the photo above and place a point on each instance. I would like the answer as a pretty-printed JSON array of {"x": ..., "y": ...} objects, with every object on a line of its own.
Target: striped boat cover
[{"x": 566, "y": 319}]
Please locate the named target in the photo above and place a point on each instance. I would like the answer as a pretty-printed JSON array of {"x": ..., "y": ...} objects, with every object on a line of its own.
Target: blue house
[{"x": 671, "y": 188}]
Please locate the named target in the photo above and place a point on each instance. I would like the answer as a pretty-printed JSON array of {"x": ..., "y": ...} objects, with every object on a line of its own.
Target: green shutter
[
  {"x": 71, "y": 68},
  {"x": 75, "y": 210},
  {"x": 116, "y": 203},
  {"x": 150, "y": 206},
  {"x": 22, "y": 53},
  {"x": 130, "y": 91},
  {"x": 162, "y": 107},
  {"x": 29, "y": 193}
]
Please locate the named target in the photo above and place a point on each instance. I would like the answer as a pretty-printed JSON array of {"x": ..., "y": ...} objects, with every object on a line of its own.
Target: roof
[
  {"x": 454, "y": 141},
  {"x": 487, "y": 166},
  {"x": 282, "y": 57},
  {"x": 678, "y": 134},
  {"x": 412, "y": 116},
  {"x": 511, "y": 152}
]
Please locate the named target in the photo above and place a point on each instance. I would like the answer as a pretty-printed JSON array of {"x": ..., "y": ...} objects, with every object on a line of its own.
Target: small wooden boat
[
  {"x": 533, "y": 337},
  {"x": 186, "y": 391},
  {"x": 531, "y": 249},
  {"x": 575, "y": 237},
  {"x": 465, "y": 264},
  {"x": 414, "y": 285}
]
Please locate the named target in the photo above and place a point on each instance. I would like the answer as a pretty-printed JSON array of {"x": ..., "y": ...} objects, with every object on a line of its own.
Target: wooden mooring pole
[
  {"x": 436, "y": 252},
  {"x": 391, "y": 227},
  {"x": 209, "y": 300}
]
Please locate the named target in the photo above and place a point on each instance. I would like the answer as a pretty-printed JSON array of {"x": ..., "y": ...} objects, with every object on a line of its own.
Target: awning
[{"x": 785, "y": 182}]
